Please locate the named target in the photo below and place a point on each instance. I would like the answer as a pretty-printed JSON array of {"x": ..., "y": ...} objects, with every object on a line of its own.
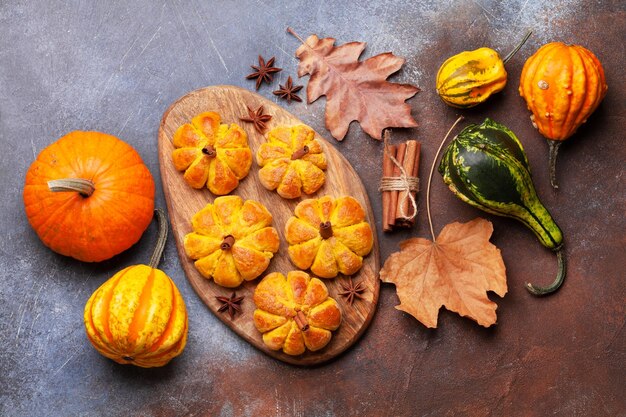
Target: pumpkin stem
[
  {"x": 554, "y": 150},
  {"x": 430, "y": 176},
  {"x": 161, "y": 239},
  {"x": 209, "y": 151},
  {"x": 227, "y": 243},
  {"x": 301, "y": 321},
  {"x": 517, "y": 47},
  {"x": 326, "y": 230},
  {"x": 300, "y": 153},
  {"x": 80, "y": 185},
  {"x": 560, "y": 276}
]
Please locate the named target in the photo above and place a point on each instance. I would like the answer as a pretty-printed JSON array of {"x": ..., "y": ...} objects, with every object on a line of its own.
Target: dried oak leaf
[
  {"x": 455, "y": 271},
  {"x": 355, "y": 90}
]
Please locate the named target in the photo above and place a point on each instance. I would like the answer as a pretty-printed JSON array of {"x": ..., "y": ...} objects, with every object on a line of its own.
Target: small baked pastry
[
  {"x": 329, "y": 236},
  {"x": 211, "y": 153},
  {"x": 292, "y": 161},
  {"x": 295, "y": 313},
  {"x": 232, "y": 240}
]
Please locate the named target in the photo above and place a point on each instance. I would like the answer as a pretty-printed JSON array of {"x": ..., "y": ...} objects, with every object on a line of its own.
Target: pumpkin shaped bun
[
  {"x": 89, "y": 196},
  {"x": 295, "y": 313},
  {"x": 232, "y": 240},
  {"x": 329, "y": 236},
  {"x": 211, "y": 153},
  {"x": 292, "y": 161}
]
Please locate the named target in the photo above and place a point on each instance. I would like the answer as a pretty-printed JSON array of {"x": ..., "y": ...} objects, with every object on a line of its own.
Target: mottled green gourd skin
[{"x": 486, "y": 166}]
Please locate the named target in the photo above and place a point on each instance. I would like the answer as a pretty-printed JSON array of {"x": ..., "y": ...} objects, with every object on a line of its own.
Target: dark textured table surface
[{"x": 115, "y": 66}]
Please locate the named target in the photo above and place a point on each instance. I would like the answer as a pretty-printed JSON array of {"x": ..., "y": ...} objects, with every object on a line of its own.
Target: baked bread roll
[
  {"x": 232, "y": 240},
  {"x": 292, "y": 161},
  {"x": 329, "y": 236},
  {"x": 212, "y": 153},
  {"x": 295, "y": 313}
]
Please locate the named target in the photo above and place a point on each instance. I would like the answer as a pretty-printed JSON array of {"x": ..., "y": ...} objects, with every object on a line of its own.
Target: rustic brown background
[{"x": 116, "y": 66}]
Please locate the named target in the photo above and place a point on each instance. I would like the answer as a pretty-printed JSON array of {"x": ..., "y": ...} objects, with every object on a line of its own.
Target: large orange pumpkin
[
  {"x": 562, "y": 85},
  {"x": 138, "y": 316},
  {"x": 89, "y": 196}
]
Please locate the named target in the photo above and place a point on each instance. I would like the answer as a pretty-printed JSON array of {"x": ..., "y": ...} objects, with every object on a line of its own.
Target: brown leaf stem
[
  {"x": 430, "y": 177},
  {"x": 293, "y": 33}
]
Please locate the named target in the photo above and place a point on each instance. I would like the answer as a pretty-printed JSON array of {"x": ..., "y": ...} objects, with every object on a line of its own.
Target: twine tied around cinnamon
[{"x": 406, "y": 183}]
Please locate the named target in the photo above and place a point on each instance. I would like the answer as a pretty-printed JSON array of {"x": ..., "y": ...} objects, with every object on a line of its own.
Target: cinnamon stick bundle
[{"x": 399, "y": 186}]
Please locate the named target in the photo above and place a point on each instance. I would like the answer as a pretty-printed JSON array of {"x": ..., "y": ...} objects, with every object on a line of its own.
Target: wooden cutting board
[{"x": 183, "y": 201}]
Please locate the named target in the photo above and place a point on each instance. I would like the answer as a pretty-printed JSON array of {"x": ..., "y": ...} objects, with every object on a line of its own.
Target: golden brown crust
[
  {"x": 285, "y": 303},
  {"x": 292, "y": 161},
  {"x": 342, "y": 251},
  {"x": 212, "y": 154},
  {"x": 253, "y": 244}
]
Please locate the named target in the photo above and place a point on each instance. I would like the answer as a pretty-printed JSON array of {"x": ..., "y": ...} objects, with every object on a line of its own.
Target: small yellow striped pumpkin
[
  {"x": 137, "y": 317},
  {"x": 470, "y": 77}
]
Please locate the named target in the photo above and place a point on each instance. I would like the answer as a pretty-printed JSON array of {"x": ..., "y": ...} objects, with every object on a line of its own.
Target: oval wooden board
[{"x": 183, "y": 201}]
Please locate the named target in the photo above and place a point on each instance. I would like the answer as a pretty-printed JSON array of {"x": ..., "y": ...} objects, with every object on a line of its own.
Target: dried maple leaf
[
  {"x": 455, "y": 271},
  {"x": 354, "y": 90}
]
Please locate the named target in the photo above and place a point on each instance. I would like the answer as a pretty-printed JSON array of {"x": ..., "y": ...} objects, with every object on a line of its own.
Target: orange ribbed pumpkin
[
  {"x": 562, "y": 85},
  {"x": 138, "y": 316},
  {"x": 89, "y": 196}
]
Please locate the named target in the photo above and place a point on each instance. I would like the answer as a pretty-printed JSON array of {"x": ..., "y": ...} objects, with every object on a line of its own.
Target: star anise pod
[
  {"x": 230, "y": 304},
  {"x": 352, "y": 291},
  {"x": 289, "y": 91},
  {"x": 257, "y": 118},
  {"x": 264, "y": 71}
]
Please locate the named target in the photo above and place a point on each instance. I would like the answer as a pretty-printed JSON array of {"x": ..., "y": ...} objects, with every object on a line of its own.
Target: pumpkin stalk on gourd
[
  {"x": 80, "y": 185},
  {"x": 157, "y": 253}
]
